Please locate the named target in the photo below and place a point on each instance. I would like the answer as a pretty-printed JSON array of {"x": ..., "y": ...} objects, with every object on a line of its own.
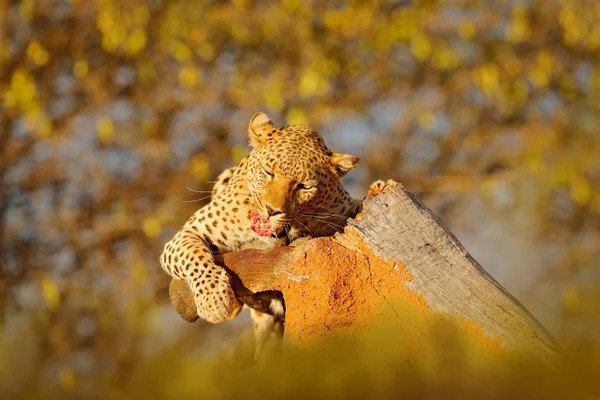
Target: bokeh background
[{"x": 115, "y": 115}]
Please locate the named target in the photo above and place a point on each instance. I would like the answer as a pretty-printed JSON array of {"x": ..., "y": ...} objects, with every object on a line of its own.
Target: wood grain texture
[{"x": 396, "y": 225}]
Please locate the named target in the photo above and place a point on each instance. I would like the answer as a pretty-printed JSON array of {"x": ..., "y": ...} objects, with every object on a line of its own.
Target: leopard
[{"x": 286, "y": 189}]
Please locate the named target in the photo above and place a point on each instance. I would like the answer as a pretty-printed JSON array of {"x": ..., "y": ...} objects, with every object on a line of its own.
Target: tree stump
[{"x": 395, "y": 256}]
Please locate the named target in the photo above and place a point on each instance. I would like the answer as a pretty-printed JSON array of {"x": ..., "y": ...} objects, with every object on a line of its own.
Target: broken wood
[{"x": 395, "y": 255}]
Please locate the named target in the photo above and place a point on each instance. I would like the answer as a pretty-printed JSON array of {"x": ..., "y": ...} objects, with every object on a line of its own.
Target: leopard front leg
[{"x": 188, "y": 257}]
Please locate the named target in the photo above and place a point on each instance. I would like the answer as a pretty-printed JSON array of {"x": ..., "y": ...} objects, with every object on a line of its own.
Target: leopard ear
[
  {"x": 261, "y": 129},
  {"x": 343, "y": 163}
]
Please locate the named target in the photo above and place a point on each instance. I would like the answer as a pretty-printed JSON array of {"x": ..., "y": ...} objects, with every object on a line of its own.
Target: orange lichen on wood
[{"x": 363, "y": 291}]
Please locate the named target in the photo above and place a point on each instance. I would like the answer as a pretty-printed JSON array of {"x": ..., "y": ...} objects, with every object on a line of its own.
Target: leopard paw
[
  {"x": 379, "y": 186},
  {"x": 215, "y": 299}
]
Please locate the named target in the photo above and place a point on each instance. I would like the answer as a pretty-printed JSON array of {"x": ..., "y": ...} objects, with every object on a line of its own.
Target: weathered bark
[{"x": 395, "y": 255}]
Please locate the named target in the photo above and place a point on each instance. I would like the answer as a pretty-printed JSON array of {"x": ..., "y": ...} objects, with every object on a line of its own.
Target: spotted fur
[{"x": 291, "y": 177}]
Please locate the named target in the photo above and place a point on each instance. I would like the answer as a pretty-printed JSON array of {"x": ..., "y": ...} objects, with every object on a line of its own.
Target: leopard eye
[
  {"x": 268, "y": 173},
  {"x": 304, "y": 186}
]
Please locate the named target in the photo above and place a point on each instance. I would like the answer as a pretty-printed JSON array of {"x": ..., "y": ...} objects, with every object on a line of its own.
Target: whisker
[
  {"x": 325, "y": 221},
  {"x": 326, "y": 218},
  {"x": 329, "y": 215},
  {"x": 335, "y": 227},
  {"x": 307, "y": 228},
  {"x": 194, "y": 201},
  {"x": 197, "y": 191}
]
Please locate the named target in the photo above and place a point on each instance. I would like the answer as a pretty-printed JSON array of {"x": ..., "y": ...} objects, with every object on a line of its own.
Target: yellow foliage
[
  {"x": 421, "y": 47},
  {"x": 539, "y": 77},
  {"x": 200, "y": 167},
  {"x": 80, "y": 68},
  {"x": 26, "y": 10},
  {"x": 189, "y": 76},
  {"x": 487, "y": 78},
  {"x": 237, "y": 153},
  {"x": 147, "y": 71},
  {"x": 296, "y": 116},
  {"x": 580, "y": 190},
  {"x": 240, "y": 33},
  {"x": 105, "y": 129},
  {"x": 311, "y": 83},
  {"x": 518, "y": 30},
  {"x": 181, "y": 52},
  {"x": 67, "y": 379},
  {"x": 205, "y": 51},
  {"x": 444, "y": 58},
  {"x": 51, "y": 293},
  {"x": 136, "y": 42},
  {"x": 152, "y": 227},
  {"x": 513, "y": 66},
  {"x": 140, "y": 272},
  {"x": 44, "y": 127},
  {"x": 37, "y": 53},
  {"x": 272, "y": 93},
  {"x": 426, "y": 119},
  {"x": 22, "y": 93},
  {"x": 141, "y": 15},
  {"x": 316, "y": 62},
  {"x": 466, "y": 30}
]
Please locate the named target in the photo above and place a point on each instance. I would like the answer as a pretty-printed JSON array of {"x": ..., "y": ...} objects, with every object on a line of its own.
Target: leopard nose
[{"x": 273, "y": 211}]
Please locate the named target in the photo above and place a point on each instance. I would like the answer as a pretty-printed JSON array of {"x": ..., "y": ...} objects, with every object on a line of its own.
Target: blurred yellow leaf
[
  {"x": 466, "y": 30},
  {"x": 205, "y": 51},
  {"x": 188, "y": 76},
  {"x": 421, "y": 47},
  {"x": 545, "y": 60},
  {"x": 272, "y": 94},
  {"x": 538, "y": 77},
  {"x": 136, "y": 42},
  {"x": 23, "y": 92},
  {"x": 309, "y": 83},
  {"x": 67, "y": 379},
  {"x": 291, "y": 5},
  {"x": 152, "y": 227},
  {"x": 81, "y": 68},
  {"x": 26, "y": 10},
  {"x": 241, "y": 3},
  {"x": 594, "y": 38},
  {"x": 296, "y": 117},
  {"x": 426, "y": 119},
  {"x": 240, "y": 32},
  {"x": 181, "y": 52},
  {"x": 581, "y": 191},
  {"x": 105, "y": 21},
  {"x": 44, "y": 127},
  {"x": 141, "y": 14},
  {"x": 518, "y": 30},
  {"x": 105, "y": 129},
  {"x": 445, "y": 58},
  {"x": 51, "y": 293},
  {"x": 487, "y": 78},
  {"x": 37, "y": 53},
  {"x": 200, "y": 167}
]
